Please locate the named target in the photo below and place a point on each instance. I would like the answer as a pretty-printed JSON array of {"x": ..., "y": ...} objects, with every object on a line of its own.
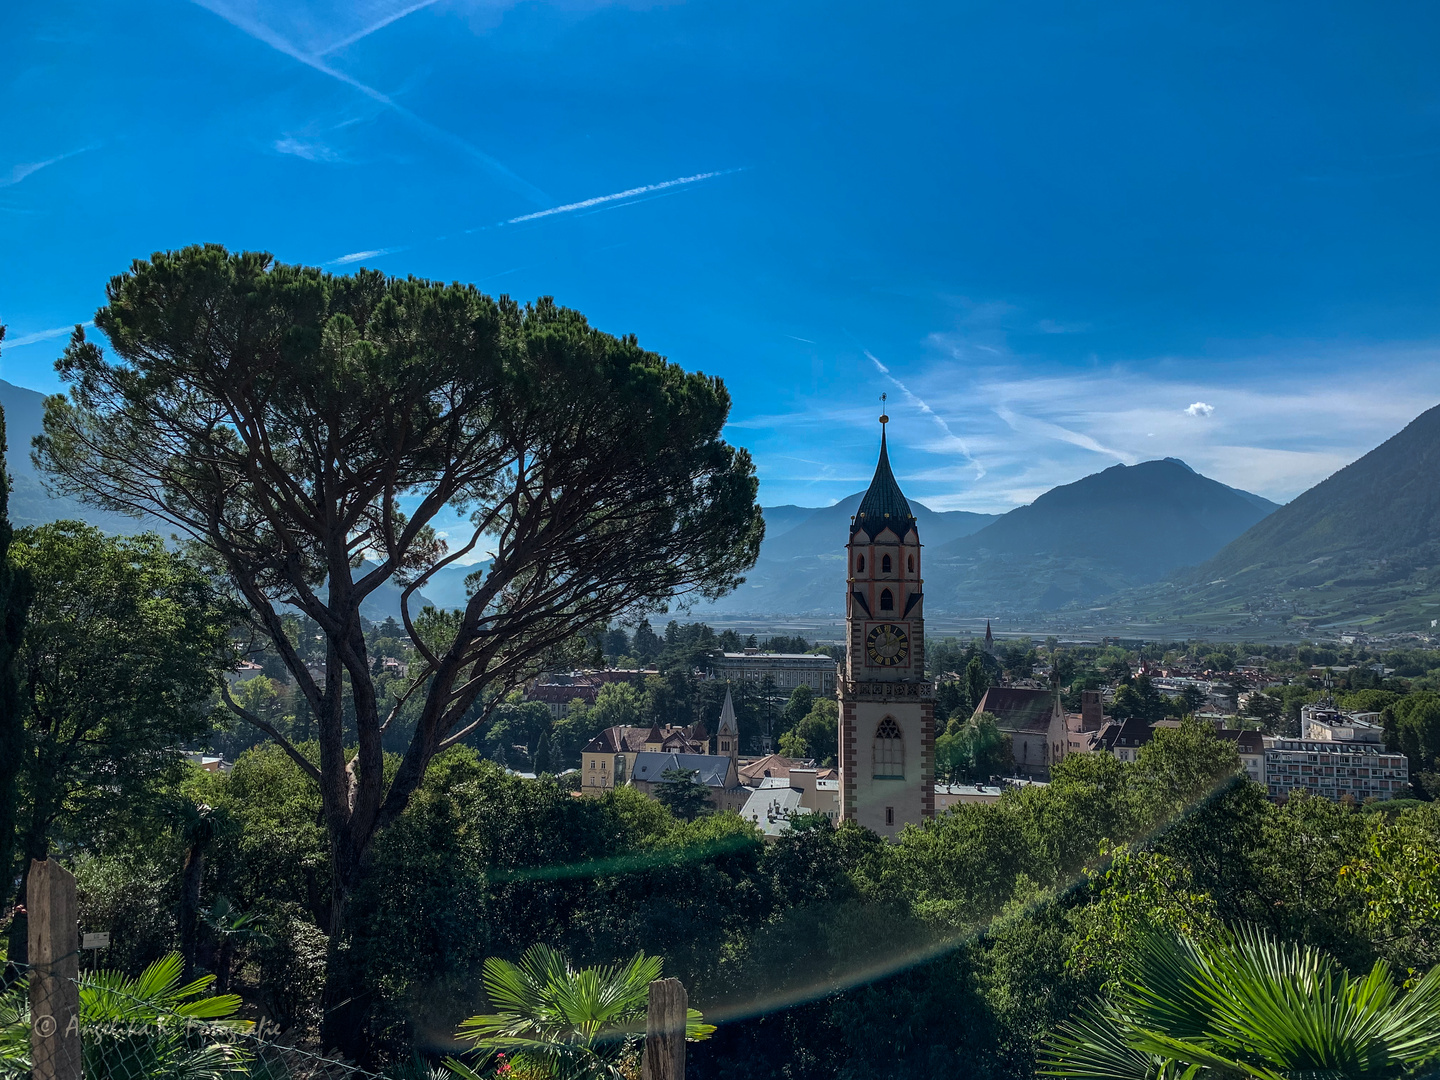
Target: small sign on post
[
  {"x": 54, "y": 972},
  {"x": 99, "y": 940},
  {"x": 665, "y": 1031}
]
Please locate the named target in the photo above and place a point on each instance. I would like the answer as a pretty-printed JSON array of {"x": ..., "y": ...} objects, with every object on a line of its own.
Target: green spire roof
[{"x": 884, "y": 504}]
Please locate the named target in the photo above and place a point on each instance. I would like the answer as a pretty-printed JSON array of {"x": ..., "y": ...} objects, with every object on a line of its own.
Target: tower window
[
  {"x": 889, "y": 815},
  {"x": 910, "y": 563},
  {"x": 887, "y": 600},
  {"x": 889, "y": 751},
  {"x": 860, "y": 564},
  {"x": 885, "y": 564}
]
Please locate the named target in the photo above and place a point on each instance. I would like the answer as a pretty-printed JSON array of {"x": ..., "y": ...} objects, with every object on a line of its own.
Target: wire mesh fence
[{"x": 151, "y": 1027}]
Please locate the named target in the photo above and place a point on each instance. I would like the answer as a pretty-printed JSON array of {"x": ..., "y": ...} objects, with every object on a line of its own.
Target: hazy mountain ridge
[
  {"x": 1112, "y": 530},
  {"x": 1360, "y": 548},
  {"x": 31, "y": 504},
  {"x": 801, "y": 568}
]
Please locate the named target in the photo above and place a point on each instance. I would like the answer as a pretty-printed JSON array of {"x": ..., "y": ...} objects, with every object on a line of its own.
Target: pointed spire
[
  {"x": 884, "y": 503},
  {"x": 728, "y": 725}
]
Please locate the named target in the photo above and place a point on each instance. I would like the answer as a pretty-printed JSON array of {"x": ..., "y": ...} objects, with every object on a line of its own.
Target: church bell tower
[{"x": 887, "y": 708}]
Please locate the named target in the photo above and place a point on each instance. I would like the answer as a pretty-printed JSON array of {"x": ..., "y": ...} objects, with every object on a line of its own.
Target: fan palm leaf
[
  {"x": 151, "y": 1026},
  {"x": 1246, "y": 1005},
  {"x": 564, "y": 1022}
]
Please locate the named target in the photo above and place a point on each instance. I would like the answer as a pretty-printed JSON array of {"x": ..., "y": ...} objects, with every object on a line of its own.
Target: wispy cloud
[
  {"x": 309, "y": 149},
  {"x": 1036, "y": 426},
  {"x": 277, "y": 41},
  {"x": 19, "y": 172},
  {"x": 955, "y": 442},
  {"x": 358, "y": 256},
  {"x": 40, "y": 335},
  {"x": 1019, "y": 422},
  {"x": 380, "y": 24}
]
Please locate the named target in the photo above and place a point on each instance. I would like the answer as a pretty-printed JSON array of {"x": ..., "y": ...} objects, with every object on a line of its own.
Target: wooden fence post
[
  {"x": 54, "y": 972},
  {"x": 664, "y": 1031}
]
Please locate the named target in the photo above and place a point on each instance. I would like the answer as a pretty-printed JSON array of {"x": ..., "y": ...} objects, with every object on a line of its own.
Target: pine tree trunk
[{"x": 345, "y": 1005}]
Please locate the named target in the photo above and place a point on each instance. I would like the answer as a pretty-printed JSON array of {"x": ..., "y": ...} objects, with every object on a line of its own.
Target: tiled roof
[
  {"x": 1018, "y": 709},
  {"x": 776, "y": 765},
  {"x": 713, "y": 769}
]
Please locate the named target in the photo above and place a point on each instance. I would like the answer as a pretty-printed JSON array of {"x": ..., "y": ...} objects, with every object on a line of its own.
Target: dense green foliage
[
  {"x": 118, "y": 664},
  {"x": 827, "y": 953},
  {"x": 14, "y": 603}
]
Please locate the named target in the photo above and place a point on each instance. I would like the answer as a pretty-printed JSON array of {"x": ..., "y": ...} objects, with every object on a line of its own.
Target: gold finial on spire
[{"x": 883, "y": 418}]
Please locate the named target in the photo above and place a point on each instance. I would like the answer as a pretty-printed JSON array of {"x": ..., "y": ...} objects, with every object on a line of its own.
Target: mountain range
[
  {"x": 1126, "y": 526},
  {"x": 1148, "y": 542},
  {"x": 1361, "y": 549}
]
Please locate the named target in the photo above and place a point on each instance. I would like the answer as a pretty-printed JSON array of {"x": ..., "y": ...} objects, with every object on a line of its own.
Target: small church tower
[
  {"x": 727, "y": 738},
  {"x": 887, "y": 708}
]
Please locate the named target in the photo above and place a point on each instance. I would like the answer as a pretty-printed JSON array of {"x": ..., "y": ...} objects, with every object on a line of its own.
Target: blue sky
[{"x": 1058, "y": 235}]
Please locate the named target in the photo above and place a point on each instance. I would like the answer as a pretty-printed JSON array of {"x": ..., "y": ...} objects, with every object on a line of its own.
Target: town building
[
  {"x": 716, "y": 772},
  {"x": 559, "y": 690},
  {"x": 1325, "y": 722},
  {"x": 607, "y": 760},
  {"x": 1333, "y": 769},
  {"x": 776, "y": 800},
  {"x": 887, "y": 706},
  {"x": 785, "y": 670},
  {"x": 1034, "y": 721},
  {"x": 777, "y": 767}
]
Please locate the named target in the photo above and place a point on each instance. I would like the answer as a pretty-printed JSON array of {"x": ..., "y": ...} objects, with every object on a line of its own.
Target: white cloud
[
  {"x": 309, "y": 149},
  {"x": 1035, "y": 427},
  {"x": 357, "y": 256},
  {"x": 1199, "y": 408}
]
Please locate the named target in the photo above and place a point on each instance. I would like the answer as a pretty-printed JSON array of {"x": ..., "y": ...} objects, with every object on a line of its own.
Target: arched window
[
  {"x": 860, "y": 566},
  {"x": 887, "y": 600},
  {"x": 889, "y": 751},
  {"x": 885, "y": 564},
  {"x": 910, "y": 563}
]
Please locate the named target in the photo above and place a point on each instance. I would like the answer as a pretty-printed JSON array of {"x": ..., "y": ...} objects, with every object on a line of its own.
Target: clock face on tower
[{"x": 887, "y": 645}]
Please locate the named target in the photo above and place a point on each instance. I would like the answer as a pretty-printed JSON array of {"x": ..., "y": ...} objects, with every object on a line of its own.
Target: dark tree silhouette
[{"x": 311, "y": 430}]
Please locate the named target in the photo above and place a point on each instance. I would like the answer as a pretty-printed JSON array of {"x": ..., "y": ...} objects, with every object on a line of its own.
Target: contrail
[
  {"x": 42, "y": 335},
  {"x": 629, "y": 193},
  {"x": 20, "y": 172},
  {"x": 361, "y": 34},
  {"x": 260, "y": 32},
  {"x": 919, "y": 403},
  {"x": 568, "y": 208},
  {"x": 1062, "y": 434}
]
